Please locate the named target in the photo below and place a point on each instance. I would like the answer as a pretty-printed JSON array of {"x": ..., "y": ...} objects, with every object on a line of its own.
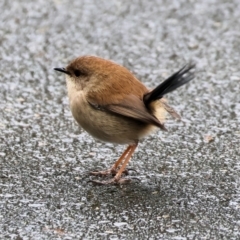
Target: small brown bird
[{"x": 111, "y": 104}]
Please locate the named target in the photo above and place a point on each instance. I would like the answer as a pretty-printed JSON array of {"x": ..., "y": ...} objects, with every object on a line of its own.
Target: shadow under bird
[{"x": 112, "y": 105}]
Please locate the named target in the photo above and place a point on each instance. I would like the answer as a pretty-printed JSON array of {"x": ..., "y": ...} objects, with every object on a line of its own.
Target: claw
[
  {"x": 112, "y": 172},
  {"x": 111, "y": 181},
  {"x": 103, "y": 173}
]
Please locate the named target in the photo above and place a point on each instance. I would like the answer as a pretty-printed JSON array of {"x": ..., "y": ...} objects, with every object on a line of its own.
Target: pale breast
[{"x": 103, "y": 125}]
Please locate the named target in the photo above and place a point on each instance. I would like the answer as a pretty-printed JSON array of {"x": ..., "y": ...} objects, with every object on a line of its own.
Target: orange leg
[
  {"x": 113, "y": 169},
  {"x": 116, "y": 164},
  {"x": 117, "y": 179},
  {"x": 127, "y": 159}
]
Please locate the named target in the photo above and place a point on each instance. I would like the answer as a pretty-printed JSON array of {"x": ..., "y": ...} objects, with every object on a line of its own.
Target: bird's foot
[
  {"x": 110, "y": 171},
  {"x": 114, "y": 181},
  {"x": 103, "y": 173}
]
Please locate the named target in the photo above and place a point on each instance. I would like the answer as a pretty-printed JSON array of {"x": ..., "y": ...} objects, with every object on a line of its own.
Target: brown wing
[
  {"x": 131, "y": 107},
  {"x": 119, "y": 92}
]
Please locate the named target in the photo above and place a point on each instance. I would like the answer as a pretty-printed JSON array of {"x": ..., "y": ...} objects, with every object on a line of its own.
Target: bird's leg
[
  {"x": 117, "y": 179},
  {"x": 113, "y": 169},
  {"x": 119, "y": 161}
]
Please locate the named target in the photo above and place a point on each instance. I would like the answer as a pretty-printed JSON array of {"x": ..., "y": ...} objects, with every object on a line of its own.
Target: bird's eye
[{"x": 77, "y": 73}]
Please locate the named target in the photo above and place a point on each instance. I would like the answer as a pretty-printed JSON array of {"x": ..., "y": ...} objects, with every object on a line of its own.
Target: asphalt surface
[{"x": 189, "y": 177}]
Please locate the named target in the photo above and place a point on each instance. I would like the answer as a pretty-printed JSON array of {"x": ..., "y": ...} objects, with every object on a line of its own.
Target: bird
[{"x": 112, "y": 105}]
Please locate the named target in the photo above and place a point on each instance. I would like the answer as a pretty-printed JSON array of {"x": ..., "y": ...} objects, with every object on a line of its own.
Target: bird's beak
[{"x": 62, "y": 70}]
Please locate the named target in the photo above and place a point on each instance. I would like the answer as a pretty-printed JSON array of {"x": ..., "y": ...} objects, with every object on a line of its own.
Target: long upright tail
[{"x": 184, "y": 75}]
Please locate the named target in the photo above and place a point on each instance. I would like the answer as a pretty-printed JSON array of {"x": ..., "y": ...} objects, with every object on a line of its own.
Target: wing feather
[{"x": 132, "y": 107}]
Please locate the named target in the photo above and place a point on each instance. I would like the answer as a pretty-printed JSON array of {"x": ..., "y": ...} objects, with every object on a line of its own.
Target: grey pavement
[{"x": 188, "y": 183}]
